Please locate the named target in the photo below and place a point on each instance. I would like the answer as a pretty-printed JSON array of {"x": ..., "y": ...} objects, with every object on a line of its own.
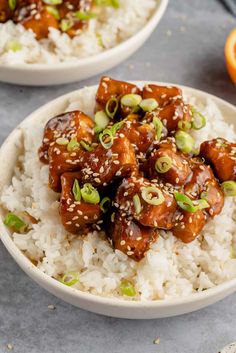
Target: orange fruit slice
[{"x": 230, "y": 55}]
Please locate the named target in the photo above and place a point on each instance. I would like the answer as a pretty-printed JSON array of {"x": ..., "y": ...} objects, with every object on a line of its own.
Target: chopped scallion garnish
[
  {"x": 86, "y": 146},
  {"x": 14, "y": 222},
  {"x": 163, "y": 164},
  {"x": 111, "y": 3},
  {"x": 53, "y": 11},
  {"x": 105, "y": 203},
  {"x": 66, "y": 24},
  {"x": 111, "y": 107},
  {"x": 90, "y": 194},
  {"x": 137, "y": 204},
  {"x": 184, "y": 141},
  {"x": 101, "y": 119},
  {"x": 12, "y": 4},
  {"x": 158, "y": 127},
  {"x": 131, "y": 100},
  {"x": 14, "y": 45},
  {"x": 106, "y": 138},
  {"x": 76, "y": 191},
  {"x": 53, "y": 2},
  {"x": 84, "y": 16},
  {"x": 152, "y": 195},
  {"x": 189, "y": 205},
  {"x": 70, "y": 278},
  {"x": 148, "y": 105},
  {"x": 127, "y": 288},
  {"x": 62, "y": 141},
  {"x": 199, "y": 120},
  {"x": 73, "y": 145},
  {"x": 229, "y": 188},
  {"x": 184, "y": 125}
]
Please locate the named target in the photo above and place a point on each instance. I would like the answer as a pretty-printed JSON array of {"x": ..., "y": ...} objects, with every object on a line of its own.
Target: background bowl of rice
[
  {"x": 198, "y": 274},
  {"x": 124, "y": 31}
]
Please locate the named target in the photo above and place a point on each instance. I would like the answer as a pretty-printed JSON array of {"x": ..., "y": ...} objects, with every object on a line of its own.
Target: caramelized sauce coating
[
  {"x": 132, "y": 238},
  {"x": 76, "y": 216},
  {"x": 221, "y": 154}
]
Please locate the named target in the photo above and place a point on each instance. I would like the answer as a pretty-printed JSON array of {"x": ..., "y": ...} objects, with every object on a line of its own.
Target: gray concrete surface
[{"x": 186, "y": 48}]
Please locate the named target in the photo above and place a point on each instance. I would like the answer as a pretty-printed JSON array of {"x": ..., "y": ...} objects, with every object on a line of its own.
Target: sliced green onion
[
  {"x": 127, "y": 288},
  {"x": 53, "y": 2},
  {"x": 116, "y": 127},
  {"x": 199, "y": 120},
  {"x": 158, "y": 127},
  {"x": 131, "y": 100},
  {"x": 84, "y": 16},
  {"x": 86, "y": 146},
  {"x": 97, "y": 129},
  {"x": 105, "y": 203},
  {"x": 101, "y": 119},
  {"x": 184, "y": 125},
  {"x": 90, "y": 194},
  {"x": 76, "y": 191},
  {"x": 163, "y": 164},
  {"x": 12, "y": 4},
  {"x": 111, "y": 107},
  {"x": 100, "y": 40},
  {"x": 16, "y": 223},
  {"x": 229, "y": 188},
  {"x": 62, "y": 141},
  {"x": 106, "y": 138},
  {"x": 137, "y": 204},
  {"x": 14, "y": 46},
  {"x": 73, "y": 145},
  {"x": 152, "y": 195},
  {"x": 66, "y": 24},
  {"x": 184, "y": 141},
  {"x": 148, "y": 105},
  {"x": 189, "y": 205},
  {"x": 111, "y": 3},
  {"x": 53, "y": 11},
  {"x": 70, "y": 278}
]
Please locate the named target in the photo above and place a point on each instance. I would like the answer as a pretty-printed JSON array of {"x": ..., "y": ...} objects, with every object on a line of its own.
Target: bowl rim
[
  {"x": 41, "y": 277},
  {"x": 95, "y": 59}
]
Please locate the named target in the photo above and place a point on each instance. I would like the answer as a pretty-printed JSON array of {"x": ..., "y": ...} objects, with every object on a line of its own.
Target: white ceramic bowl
[
  {"x": 9, "y": 153},
  {"x": 54, "y": 74}
]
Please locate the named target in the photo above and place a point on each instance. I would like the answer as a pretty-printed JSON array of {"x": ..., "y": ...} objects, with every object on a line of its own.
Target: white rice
[
  {"x": 110, "y": 28},
  {"x": 170, "y": 269}
]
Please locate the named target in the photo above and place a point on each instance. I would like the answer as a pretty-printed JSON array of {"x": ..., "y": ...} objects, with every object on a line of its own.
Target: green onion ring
[
  {"x": 76, "y": 191},
  {"x": 131, "y": 100},
  {"x": 199, "y": 120},
  {"x": 105, "y": 201},
  {"x": 90, "y": 194},
  {"x": 147, "y": 195},
  {"x": 184, "y": 125},
  {"x": 112, "y": 102},
  {"x": 163, "y": 164},
  {"x": 184, "y": 141},
  {"x": 16, "y": 223},
  {"x": 137, "y": 204},
  {"x": 148, "y": 105},
  {"x": 229, "y": 188},
  {"x": 158, "y": 127},
  {"x": 127, "y": 288},
  {"x": 106, "y": 138},
  {"x": 86, "y": 146},
  {"x": 189, "y": 205},
  {"x": 70, "y": 278}
]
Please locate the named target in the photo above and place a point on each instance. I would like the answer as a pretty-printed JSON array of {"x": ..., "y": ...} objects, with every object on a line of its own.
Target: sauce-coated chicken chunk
[
  {"x": 189, "y": 225},
  {"x": 140, "y": 135},
  {"x": 203, "y": 184},
  {"x": 102, "y": 166},
  {"x": 34, "y": 15},
  {"x": 132, "y": 238},
  {"x": 221, "y": 154},
  {"x": 163, "y": 94},
  {"x": 109, "y": 88},
  {"x": 67, "y": 126},
  {"x": 137, "y": 196},
  {"x": 76, "y": 216},
  {"x": 168, "y": 164}
]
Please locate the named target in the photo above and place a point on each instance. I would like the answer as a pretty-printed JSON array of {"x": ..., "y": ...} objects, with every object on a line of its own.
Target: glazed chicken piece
[
  {"x": 140, "y": 135},
  {"x": 103, "y": 166},
  {"x": 67, "y": 10},
  {"x": 35, "y": 16},
  {"x": 5, "y": 11},
  {"x": 148, "y": 214},
  {"x": 131, "y": 238},
  {"x": 76, "y": 216},
  {"x": 189, "y": 225},
  {"x": 109, "y": 88},
  {"x": 163, "y": 94},
  {"x": 221, "y": 155},
  {"x": 68, "y": 125},
  {"x": 168, "y": 164},
  {"x": 203, "y": 184}
]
